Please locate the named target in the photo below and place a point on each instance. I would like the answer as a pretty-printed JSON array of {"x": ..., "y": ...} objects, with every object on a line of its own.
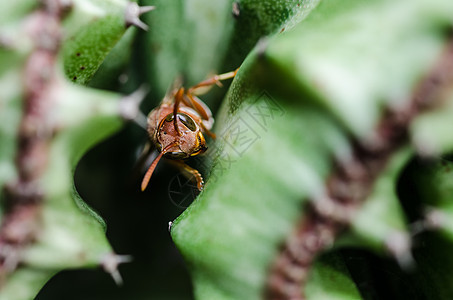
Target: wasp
[{"x": 177, "y": 126}]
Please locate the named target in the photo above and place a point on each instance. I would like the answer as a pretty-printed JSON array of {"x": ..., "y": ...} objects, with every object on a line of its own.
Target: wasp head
[{"x": 185, "y": 141}]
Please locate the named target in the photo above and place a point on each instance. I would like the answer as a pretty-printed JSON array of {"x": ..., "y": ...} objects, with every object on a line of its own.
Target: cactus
[
  {"x": 48, "y": 124},
  {"x": 330, "y": 169}
]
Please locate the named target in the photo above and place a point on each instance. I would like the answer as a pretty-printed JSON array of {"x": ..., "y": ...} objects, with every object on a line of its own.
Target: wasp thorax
[{"x": 187, "y": 139}]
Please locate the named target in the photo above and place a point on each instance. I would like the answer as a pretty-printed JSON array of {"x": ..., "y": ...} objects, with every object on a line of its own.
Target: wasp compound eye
[
  {"x": 169, "y": 118},
  {"x": 187, "y": 121}
]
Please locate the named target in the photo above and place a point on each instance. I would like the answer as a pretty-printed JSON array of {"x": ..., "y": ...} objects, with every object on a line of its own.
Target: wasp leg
[
  {"x": 202, "y": 109},
  {"x": 195, "y": 102},
  {"x": 208, "y": 132},
  {"x": 190, "y": 172},
  {"x": 211, "y": 81}
]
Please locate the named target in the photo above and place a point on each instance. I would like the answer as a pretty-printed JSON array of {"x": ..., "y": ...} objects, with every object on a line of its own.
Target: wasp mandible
[{"x": 177, "y": 125}]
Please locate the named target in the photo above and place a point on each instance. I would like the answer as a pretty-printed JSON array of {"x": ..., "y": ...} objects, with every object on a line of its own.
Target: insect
[{"x": 177, "y": 125}]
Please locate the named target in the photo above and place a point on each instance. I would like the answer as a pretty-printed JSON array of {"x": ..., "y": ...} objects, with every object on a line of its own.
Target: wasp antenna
[
  {"x": 151, "y": 168},
  {"x": 178, "y": 98},
  {"x": 150, "y": 171}
]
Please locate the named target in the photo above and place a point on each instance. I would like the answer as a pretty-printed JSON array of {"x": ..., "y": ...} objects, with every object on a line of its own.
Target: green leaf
[
  {"x": 425, "y": 192},
  {"x": 256, "y": 19},
  {"x": 330, "y": 280},
  {"x": 434, "y": 188},
  {"x": 24, "y": 284},
  {"x": 354, "y": 63},
  {"x": 431, "y": 132},
  {"x": 198, "y": 38},
  {"x": 327, "y": 79},
  {"x": 113, "y": 70},
  {"x": 71, "y": 234},
  {"x": 230, "y": 235},
  {"x": 164, "y": 44},
  {"x": 92, "y": 30}
]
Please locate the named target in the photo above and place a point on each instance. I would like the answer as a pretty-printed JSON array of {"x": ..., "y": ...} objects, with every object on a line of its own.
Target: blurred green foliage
[{"x": 313, "y": 75}]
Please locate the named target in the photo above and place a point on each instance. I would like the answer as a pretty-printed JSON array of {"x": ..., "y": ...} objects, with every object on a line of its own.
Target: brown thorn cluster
[
  {"x": 349, "y": 185},
  {"x": 24, "y": 196}
]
